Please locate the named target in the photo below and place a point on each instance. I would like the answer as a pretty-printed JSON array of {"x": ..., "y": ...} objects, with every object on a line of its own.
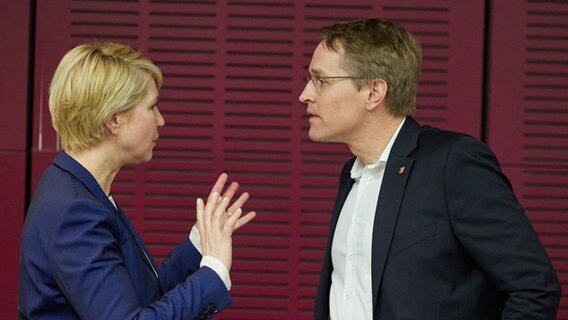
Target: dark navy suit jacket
[
  {"x": 450, "y": 240},
  {"x": 81, "y": 258}
]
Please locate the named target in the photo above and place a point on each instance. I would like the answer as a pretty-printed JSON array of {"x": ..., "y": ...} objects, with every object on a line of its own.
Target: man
[{"x": 425, "y": 224}]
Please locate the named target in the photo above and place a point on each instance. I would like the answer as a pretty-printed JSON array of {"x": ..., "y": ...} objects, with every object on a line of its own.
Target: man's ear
[{"x": 377, "y": 93}]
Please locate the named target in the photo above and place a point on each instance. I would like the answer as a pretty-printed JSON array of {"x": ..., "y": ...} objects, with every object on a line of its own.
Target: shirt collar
[{"x": 359, "y": 166}]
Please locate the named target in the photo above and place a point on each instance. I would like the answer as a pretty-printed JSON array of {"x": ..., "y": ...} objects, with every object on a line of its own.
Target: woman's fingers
[
  {"x": 218, "y": 214},
  {"x": 231, "y": 190},
  {"x": 220, "y": 210},
  {"x": 200, "y": 213},
  {"x": 244, "y": 220},
  {"x": 228, "y": 226},
  {"x": 239, "y": 203},
  {"x": 199, "y": 208},
  {"x": 208, "y": 224},
  {"x": 219, "y": 184}
]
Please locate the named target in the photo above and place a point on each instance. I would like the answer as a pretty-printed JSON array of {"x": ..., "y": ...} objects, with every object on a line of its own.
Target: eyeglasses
[{"x": 319, "y": 82}]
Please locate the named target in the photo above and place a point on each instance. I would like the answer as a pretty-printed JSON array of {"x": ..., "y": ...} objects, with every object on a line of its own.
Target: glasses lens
[{"x": 314, "y": 81}]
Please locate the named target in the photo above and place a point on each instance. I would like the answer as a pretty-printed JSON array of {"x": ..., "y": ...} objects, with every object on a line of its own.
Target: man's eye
[{"x": 319, "y": 81}]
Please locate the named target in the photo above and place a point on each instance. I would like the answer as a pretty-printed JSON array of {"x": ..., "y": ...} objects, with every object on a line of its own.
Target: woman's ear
[
  {"x": 377, "y": 94},
  {"x": 112, "y": 125}
]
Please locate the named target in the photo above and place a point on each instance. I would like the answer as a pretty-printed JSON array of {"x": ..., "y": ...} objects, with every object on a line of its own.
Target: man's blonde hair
[
  {"x": 92, "y": 83},
  {"x": 378, "y": 49}
]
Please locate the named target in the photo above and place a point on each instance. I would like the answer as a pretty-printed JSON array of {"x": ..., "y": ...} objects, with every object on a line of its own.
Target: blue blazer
[
  {"x": 450, "y": 240},
  {"x": 81, "y": 258}
]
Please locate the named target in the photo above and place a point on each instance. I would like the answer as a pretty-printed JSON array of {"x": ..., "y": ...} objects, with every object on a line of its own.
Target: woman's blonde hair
[{"x": 92, "y": 83}]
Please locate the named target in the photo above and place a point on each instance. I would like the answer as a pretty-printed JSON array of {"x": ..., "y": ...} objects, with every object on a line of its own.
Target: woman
[{"x": 81, "y": 258}]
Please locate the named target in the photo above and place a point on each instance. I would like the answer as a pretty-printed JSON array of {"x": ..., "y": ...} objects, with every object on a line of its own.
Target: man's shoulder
[
  {"x": 430, "y": 132},
  {"x": 433, "y": 140},
  {"x": 433, "y": 135}
]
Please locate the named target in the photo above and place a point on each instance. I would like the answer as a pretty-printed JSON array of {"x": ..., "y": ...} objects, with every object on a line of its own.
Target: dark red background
[{"x": 233, "y": 69}]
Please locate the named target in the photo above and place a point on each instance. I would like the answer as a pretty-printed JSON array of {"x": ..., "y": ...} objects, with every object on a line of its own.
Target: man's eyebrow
[{"x": 316, "y": 72}]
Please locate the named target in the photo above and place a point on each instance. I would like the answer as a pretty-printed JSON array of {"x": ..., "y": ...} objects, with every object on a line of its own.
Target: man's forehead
[{"x": 324, "y": 61}]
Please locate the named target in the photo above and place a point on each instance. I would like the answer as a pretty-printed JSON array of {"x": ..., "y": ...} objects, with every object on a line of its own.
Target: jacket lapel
[
  {"x": 67, "y": 163},
  {"x": 397, "y": 170},
  {"x": 142, "y": 250}
]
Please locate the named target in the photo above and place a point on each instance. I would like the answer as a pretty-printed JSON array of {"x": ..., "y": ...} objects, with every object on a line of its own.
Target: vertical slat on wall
[
  {"x": 528, "y": 115},
  {"x": 450, "y": 90},
  {"x": 14, "y": 63},
  {"x": 257, "y": 148},
  {"x": 49, "y": 48},
  {"x": 233, "y": 71}
]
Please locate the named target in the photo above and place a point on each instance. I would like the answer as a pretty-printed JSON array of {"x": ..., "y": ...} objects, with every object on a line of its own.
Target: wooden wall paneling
[
  {"x": 257, "y": 69},
  {"x": 451, "y": 35},
  {"x": 14, "y": 63},
  {"x": 13, "y": 186},
  {"x": 233, "y": 71},
  {"x": 528, "y": 115},
  {"x": 528, "y": 101},
  {"x": 51, "y": 42}
]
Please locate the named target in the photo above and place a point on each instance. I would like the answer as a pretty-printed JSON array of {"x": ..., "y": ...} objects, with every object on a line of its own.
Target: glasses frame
[{"x": 316, "y": 80}]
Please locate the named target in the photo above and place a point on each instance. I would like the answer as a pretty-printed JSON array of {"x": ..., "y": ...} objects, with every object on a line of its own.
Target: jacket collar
[
  {"x": 407, "y": 139},
  {"x": 67, "y": 163}
]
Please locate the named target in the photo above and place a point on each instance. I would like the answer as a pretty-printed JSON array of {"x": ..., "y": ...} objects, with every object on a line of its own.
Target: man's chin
[{"x": 315, "y": 137}]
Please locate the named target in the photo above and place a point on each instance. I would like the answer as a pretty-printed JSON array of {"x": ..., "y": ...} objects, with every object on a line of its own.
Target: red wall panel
[
  {"x": 233, "y": 71},
  {"x": 528, "y": 115},
  {"x": 14, "y": 37},
  {"x": 12, "y": 186}
]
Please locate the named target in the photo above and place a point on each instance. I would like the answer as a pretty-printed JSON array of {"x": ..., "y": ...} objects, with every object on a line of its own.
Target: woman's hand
[{"x": 218, "y": 219}]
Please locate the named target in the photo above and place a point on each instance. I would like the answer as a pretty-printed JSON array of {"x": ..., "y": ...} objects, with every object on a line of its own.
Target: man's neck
[{"x": 374, "y": 139}]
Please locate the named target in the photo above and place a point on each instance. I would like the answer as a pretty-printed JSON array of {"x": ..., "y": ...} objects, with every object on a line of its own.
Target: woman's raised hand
[{"x": 218, "y": 219}]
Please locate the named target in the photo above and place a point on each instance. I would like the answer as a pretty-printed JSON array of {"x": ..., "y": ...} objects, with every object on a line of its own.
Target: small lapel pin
[{"x": 401, "y": 170}]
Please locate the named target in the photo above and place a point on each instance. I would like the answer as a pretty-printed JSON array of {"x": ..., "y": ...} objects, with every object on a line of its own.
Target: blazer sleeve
[
  {"x": 88, "y": 266},
  {"x": 492, "y": 226},
  {"x": 183, "y": 261}
]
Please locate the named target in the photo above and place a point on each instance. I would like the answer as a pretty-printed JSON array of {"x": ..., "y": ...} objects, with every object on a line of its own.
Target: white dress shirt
[{"x": 351, "y": 294}]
